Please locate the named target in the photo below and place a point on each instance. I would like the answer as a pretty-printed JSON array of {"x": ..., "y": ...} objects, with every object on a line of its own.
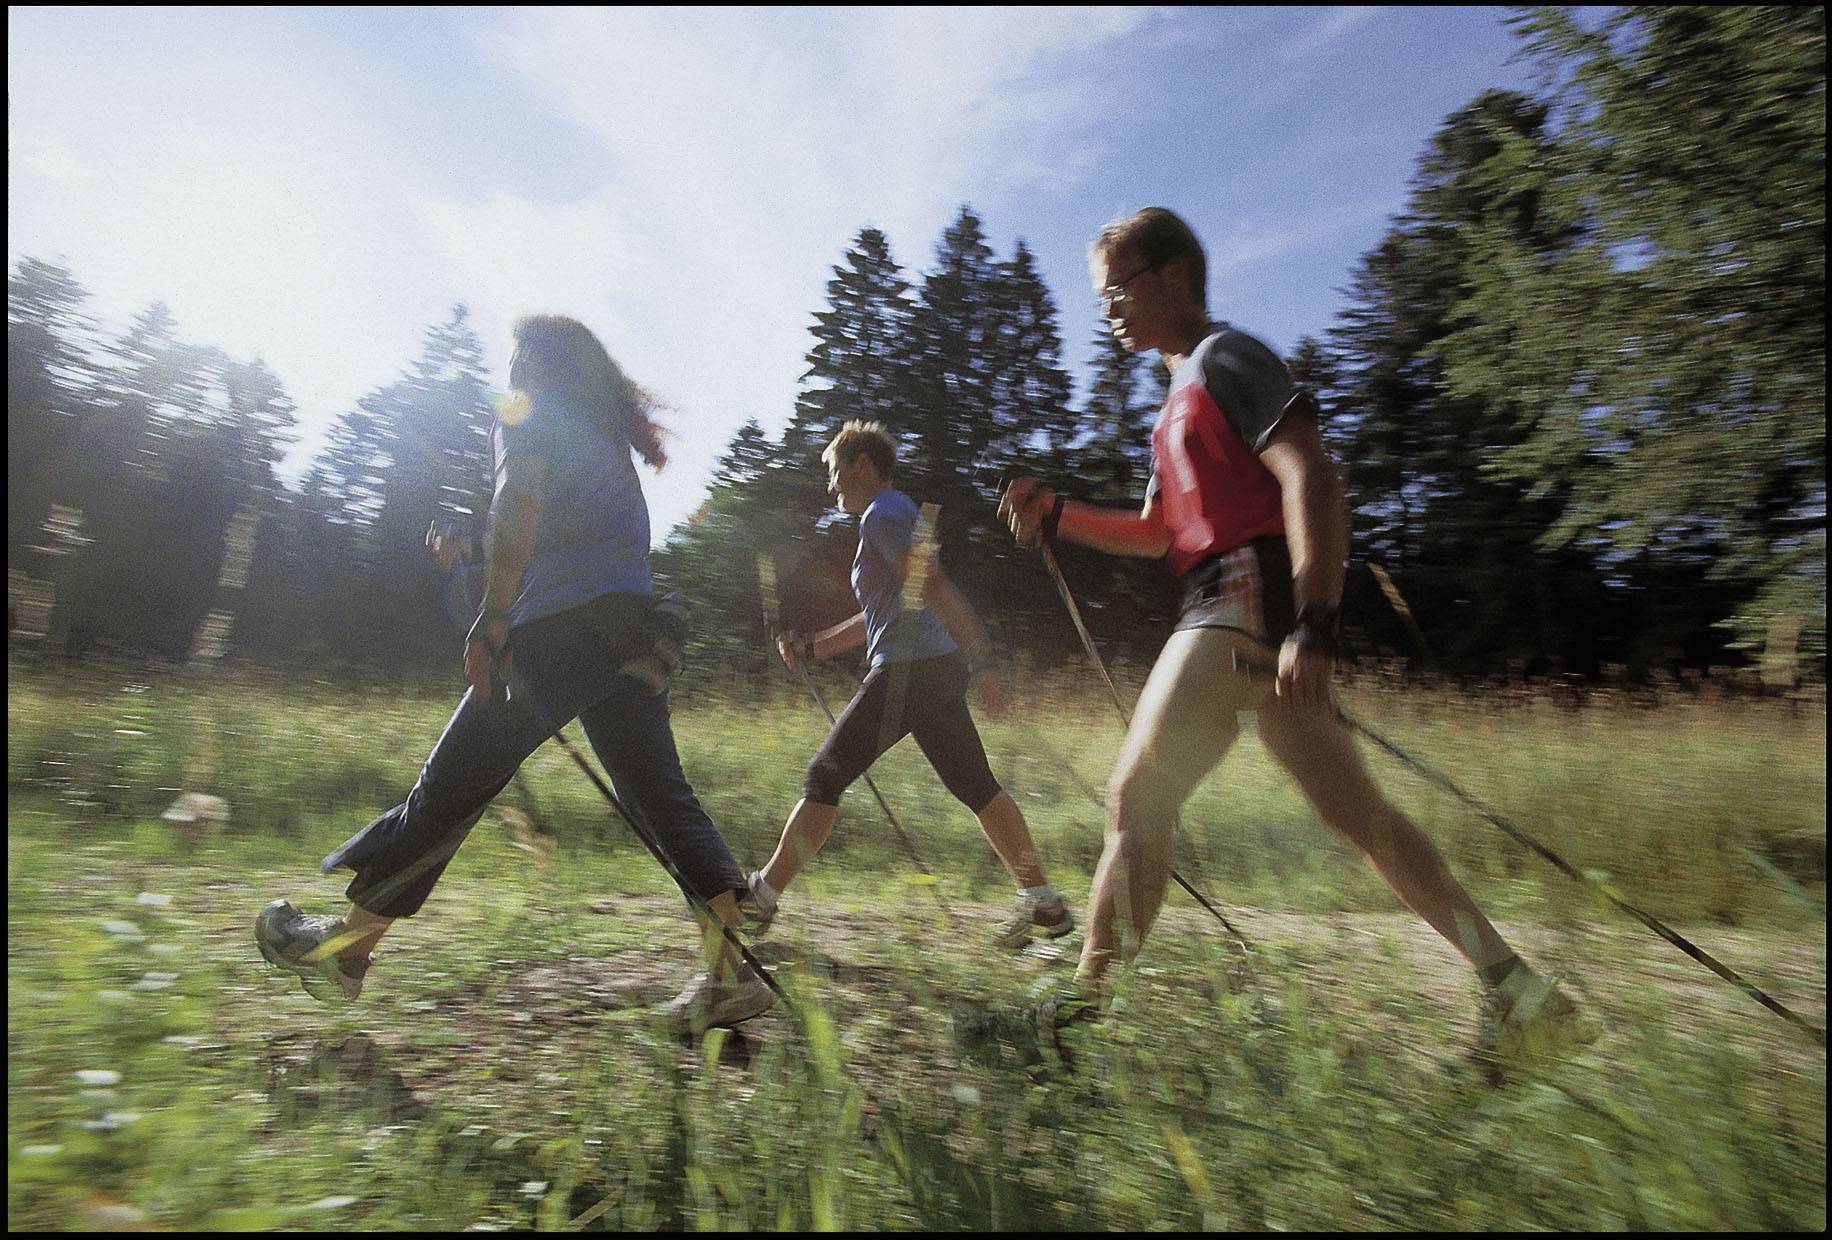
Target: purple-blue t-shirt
[
  {"x": 891, "y": 635},
  {"x": 592, "y": 535}
]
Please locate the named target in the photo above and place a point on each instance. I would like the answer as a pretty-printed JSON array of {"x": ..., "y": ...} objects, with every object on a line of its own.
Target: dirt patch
[{"x": 921, "y": 1002}]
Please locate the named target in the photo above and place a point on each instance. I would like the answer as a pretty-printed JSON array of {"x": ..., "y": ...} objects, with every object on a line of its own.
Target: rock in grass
[{"x": 197, "y": 813}]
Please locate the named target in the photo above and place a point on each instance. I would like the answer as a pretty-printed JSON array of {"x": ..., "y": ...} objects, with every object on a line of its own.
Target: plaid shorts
[{"x": 1248, "y": 588}]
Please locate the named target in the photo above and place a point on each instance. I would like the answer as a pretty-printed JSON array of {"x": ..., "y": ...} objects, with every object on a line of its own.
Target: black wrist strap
[
  {"x": 1318, "y": 628},
  {"x": 1053, "y": 520}
]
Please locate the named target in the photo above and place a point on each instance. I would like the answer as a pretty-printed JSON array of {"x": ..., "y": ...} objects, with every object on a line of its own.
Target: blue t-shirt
[
  {"x": 592, "y": 536},
  {"x": 892, "y": 636}
]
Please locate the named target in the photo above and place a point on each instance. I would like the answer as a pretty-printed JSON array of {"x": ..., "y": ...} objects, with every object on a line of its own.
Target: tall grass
[
  {"x": 503, "y": 1069},
  {"x": 1669, "y": 803}
]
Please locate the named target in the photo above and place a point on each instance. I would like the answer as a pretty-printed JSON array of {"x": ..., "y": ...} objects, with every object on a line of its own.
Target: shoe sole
[
  {"x": 730, "y": 1021},
  {"x": 724, "y": 1022}
]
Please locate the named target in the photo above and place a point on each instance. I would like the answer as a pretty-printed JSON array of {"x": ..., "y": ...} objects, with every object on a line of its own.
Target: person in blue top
[
  {"x": 566, "y": 627},
  {"x": 919, "y": 670}
]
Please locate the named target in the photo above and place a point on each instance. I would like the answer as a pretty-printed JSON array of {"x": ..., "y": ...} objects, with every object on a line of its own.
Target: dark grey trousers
[{"x": 564, "y": 667}]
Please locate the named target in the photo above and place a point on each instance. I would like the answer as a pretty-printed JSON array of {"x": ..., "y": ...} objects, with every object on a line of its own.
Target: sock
[
  {"x": 1498, "y": 973},
  {"x": 1043, "y": 896}
]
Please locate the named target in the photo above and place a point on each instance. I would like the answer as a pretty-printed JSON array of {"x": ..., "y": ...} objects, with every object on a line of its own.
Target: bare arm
[
  {"x": 1317, "y": 531},
  {"x": 937, "y": 592},
  {"x": 515, "y": 511},
  {"x": 955, "y": 611},
  {"x": 844, "y": 636},
  {"x": 1316, "y": 511},
  {"x": 1116, "y": 531},
  {"x": 969, "y": 634}
]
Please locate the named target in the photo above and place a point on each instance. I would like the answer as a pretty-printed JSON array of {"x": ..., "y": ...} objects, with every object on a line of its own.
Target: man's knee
[{"x": 1139, "y": 813}]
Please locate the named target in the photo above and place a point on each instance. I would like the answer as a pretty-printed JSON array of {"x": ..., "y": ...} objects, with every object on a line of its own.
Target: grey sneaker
[
  {"x": 1052, "y": 920},
  {"x": 758, "y": 905},
  {"x": 299, "y": 944},
  {"x": 1528, "y": 1016},
  {"x": 707, "y": 1002}
]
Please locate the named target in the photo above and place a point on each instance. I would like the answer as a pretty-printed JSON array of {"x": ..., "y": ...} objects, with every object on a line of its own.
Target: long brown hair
[{"x": 559, "y": 354}]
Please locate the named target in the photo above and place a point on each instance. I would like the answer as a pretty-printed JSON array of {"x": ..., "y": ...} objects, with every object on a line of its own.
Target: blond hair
[{"x": 872, "y": 439}]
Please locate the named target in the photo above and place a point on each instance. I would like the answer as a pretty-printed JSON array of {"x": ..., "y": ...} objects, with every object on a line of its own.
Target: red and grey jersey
[{"x": 1225, "y": 401}]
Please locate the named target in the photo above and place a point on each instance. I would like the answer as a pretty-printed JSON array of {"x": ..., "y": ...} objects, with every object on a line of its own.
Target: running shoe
[
  {"x": 708, "y": 1002},
  {"x": 1050, "y": 918},
  {"x": 1528, "y": 1016},
  {"x": 304, "y": 945}
]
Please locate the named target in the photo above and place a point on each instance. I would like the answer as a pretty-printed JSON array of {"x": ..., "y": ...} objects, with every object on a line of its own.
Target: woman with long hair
[{"x": 566, "y": 629}]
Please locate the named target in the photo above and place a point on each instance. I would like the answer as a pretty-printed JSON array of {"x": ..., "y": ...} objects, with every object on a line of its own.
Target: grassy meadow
[{"x": 503, "y": 1069}]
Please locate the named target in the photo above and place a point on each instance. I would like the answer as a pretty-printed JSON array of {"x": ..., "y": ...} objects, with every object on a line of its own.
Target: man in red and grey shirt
[{"x": 1249, "y": 510}]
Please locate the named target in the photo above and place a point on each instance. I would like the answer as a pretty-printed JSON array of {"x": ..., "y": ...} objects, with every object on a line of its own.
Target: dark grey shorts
[
  {"x": 926, "y": 698},
  {"x": 1248, "y": 588}
]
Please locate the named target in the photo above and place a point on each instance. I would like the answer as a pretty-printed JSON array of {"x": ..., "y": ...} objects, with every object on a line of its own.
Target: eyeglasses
[{"x": 1115, "y": 294}]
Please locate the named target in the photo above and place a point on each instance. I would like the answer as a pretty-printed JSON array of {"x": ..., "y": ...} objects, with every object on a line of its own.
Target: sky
[{"x": 317, "y": 186}]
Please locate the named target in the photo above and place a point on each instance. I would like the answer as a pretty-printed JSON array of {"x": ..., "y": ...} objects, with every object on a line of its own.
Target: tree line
[{"x": 1578, "y": 394}]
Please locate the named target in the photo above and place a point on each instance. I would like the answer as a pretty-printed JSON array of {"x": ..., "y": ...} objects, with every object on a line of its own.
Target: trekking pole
[
  {"x": 1087, "y": 644},
  {"x": 650, "y": 842},
  {"x": 766, "y": 583},
  {"x": 1398, "y": 602},
  {"x": 1255, "y": 667}
]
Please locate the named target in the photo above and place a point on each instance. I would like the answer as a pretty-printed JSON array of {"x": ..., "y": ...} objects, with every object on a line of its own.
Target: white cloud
[
  {"x": 251, "y": 199},
  {"x": 743, "y": 151},
  {"x": 1333, "y": 24},
  {"x": 1245, "y": 244}
]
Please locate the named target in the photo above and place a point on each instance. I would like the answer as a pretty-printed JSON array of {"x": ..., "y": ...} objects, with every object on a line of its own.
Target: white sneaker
[
  {"x": 1050, "y": 918},
  {"x": 707, "y": 1002},
  {"x": 758, "y": 905},
  {"x": 305, "y": 945}
]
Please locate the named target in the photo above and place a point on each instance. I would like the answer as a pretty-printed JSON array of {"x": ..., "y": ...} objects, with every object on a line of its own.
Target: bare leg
[
  {"x": 1005, "y": 829},
  {"x": 1186, "y": 720},
  {"x": 1321, "y": 756},
  {"x": 808, "y": 828}
]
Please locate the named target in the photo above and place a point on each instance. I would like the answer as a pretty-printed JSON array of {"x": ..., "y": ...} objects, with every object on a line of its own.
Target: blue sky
[{"x": 316, "y": 186}]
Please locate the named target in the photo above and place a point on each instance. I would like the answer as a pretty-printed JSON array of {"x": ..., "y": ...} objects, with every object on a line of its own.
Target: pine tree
[
  {"x": 859, "y": 367},
  {"x": 48, "y": 386},
  {"x": 1425, "y": 502},
  {"x": 412, "y": 453},
  {"x": 1670, "y": 362},
  {"x": 955, "y": 335},
  {"x": 1113, "y": 449}
]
